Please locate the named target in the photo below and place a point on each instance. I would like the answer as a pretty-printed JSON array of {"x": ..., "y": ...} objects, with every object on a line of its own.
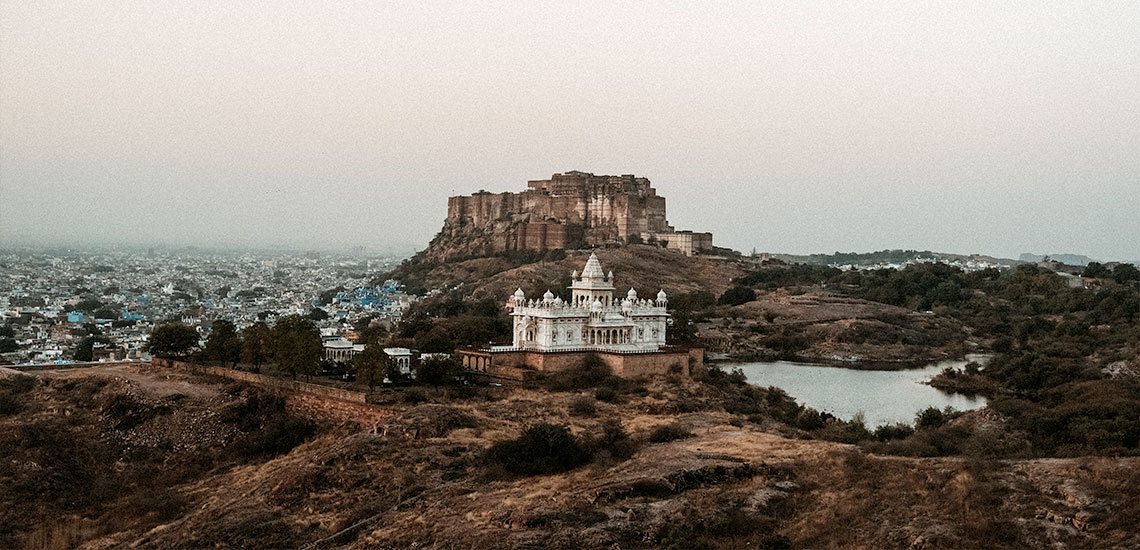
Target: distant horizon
[
  {"x": 405, "y": 251},
  {"x": 989, "y": 128}
]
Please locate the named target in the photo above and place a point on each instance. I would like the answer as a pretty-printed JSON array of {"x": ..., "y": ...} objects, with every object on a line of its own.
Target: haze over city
[{"x": 958, "y": 127}]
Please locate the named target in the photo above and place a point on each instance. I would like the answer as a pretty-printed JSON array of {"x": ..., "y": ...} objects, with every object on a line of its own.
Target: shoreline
[{"x": 873, "y": 365}]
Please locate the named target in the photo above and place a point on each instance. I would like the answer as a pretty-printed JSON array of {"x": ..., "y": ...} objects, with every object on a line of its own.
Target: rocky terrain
[
  {"x": 646, "y": 267},
  {"x": 820, "y": 326},
  {"x": 420, "y": 478}
]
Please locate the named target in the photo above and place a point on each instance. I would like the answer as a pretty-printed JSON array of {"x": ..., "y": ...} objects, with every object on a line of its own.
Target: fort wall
[{"x": 568, "y": 210}]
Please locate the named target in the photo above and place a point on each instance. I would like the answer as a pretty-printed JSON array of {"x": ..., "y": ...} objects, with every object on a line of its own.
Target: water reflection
[{"x": 882, "y": 396}]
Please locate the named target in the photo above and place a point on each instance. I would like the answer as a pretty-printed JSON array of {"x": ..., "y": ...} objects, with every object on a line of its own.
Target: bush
[
  {"x": 809, "y": 419},
  {"x": 593, "y": 372},
  {"x": 718, "y": 377},
  {"x": 268, "y": 429},
  {"x": 930, "y": 417},
  {"x": 10, "y": 404},
  {"x": 776, "y": 542},
  {"x": 669, "y": 432},
  {"x": 542, "y": 449},
  {"x": 613, "y": 441},
  {"x": 583, "y": 406},
  {"x": 606, "y": 394},
  {"x": 851, "y": 431},
  {"x": 887, "y": 432},
  {"x": 437, "y": 372},
  {"x": 737, "y": 295},
  {"x": 413, "y": 397},
  {"x": 277, "y": 435}
]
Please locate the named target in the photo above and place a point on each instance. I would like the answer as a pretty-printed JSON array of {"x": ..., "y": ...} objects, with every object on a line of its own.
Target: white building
[
  {"x": 341, "y": 350},
  {"x": 401, "y": 358},
  {"x": 593, "y": 320}
]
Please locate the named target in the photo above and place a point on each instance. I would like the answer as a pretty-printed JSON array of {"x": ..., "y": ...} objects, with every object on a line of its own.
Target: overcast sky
[{"x": 990, "y": 127}]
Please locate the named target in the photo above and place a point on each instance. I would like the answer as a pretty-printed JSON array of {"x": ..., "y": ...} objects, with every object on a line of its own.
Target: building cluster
[{"x": 60, "y": 306}]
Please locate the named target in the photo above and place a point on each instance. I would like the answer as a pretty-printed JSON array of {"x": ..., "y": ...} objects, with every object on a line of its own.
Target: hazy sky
[{"x": 992, "y": 127}]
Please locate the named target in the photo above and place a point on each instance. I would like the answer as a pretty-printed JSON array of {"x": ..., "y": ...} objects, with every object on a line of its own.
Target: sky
[{"x": 799, "y": 127}]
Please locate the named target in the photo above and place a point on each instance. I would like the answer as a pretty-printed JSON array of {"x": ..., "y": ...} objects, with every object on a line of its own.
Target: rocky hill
[
  {"x": 642, "y": 266},
  {"x": 157, "y": 472}
]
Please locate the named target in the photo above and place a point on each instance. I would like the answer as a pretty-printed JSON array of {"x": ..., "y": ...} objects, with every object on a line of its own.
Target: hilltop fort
[{"x": 569, "y": 210}]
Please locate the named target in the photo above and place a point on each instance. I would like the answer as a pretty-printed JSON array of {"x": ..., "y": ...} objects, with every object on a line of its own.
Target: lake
[{"x": 884, "y": 397}]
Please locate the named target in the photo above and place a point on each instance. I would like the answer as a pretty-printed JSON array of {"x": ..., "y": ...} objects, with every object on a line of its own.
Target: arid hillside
[
  {"x": 648, "y": 268},
  {"x": 679, "y": 471},
  {"x": 817, "y": 325}
]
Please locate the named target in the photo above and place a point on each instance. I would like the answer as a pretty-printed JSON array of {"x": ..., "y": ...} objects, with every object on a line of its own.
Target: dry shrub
[
  {"x": 606, "y": 394},
  {"x": 541, "y": 449},
  {"x": 669, "y": 432},
  {"x": 582, "y": 406},
  {"x": 10, "y": 404},
  {"x": 431, "y": 420}
]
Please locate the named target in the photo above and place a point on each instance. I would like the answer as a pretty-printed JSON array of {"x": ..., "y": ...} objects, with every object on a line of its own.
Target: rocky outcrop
[{"x": 571, "y": 210}]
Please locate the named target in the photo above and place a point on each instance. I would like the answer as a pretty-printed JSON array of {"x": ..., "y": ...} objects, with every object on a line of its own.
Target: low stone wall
[
  {"x": 310, "y": 400},
  {"x": 268, "y": 381},
  {"x": 513, "y": 365}
]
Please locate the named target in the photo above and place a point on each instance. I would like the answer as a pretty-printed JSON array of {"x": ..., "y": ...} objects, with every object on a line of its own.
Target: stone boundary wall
[
  {"x": 267, "y": 381},
  {"x": 310, "y": 400},
  {"x": 523, "y": 364}
]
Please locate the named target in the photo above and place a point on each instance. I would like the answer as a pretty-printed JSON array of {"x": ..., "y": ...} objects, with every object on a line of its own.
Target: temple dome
[
  {"x": 632, "y": 294},
  {"x": 661, "y": 296},
  {"x": 520, "y": 294},
  {"x": 548, "y": 296},
  {"x": 596, "y": 306}
]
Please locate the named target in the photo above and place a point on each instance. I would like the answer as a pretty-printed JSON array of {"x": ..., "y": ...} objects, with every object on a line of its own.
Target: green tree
[
  {"x": 1124, "y": 273},
  {"x": 256, "y": 344},
  {"x": 1096, "y": 270},
  {"x": 297, "y": 346},
  {"x": 88, "y": 305},
  {"x": 737, "y": 295},
  {"x": 437, "y": 371},
  {"x": 223, "y": 344},
  {"x": 436, "y": 340},
  {"x": 371, "y": 365},
  {"x": 370, "y": 331},
  {"x": 8, "y": 345},
  {"x": 318, "y": 314},
  {"x": 172, "y": 340}
]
